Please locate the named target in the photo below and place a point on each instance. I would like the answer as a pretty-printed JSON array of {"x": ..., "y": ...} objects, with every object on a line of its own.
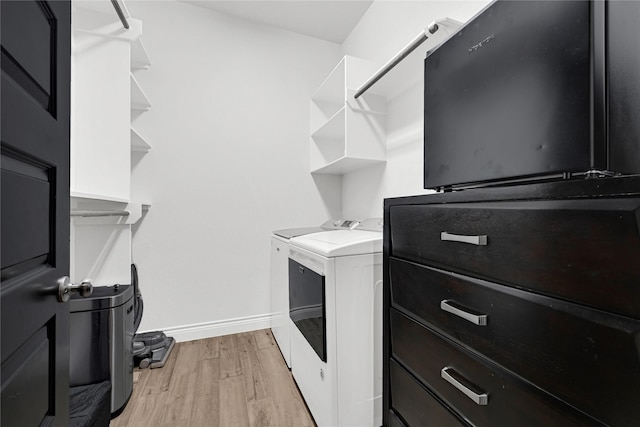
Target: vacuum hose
[{"x": 138, "y": 306}]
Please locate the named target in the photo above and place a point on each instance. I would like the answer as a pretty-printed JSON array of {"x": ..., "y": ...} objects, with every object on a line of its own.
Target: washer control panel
[
  {"x": 349, "y": 224},
  {"x": 340, "y": 224}
]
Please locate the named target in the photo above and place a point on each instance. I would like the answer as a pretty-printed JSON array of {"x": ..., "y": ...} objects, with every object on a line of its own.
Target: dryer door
[{"x": 307, "y": 306}]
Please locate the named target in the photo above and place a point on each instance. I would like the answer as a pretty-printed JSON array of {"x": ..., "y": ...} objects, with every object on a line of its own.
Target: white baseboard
[{"x": 219, "y": 327}]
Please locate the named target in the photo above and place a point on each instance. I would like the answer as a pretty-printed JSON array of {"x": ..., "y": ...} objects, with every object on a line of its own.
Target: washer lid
[
  {"x": 340, "y": 242},
  {"x": 332, "y": 224},
  {"x": 288, "y": 233}
]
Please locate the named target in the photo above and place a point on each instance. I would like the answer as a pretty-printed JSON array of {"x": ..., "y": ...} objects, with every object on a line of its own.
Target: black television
[{"x": 534, "y": 90}]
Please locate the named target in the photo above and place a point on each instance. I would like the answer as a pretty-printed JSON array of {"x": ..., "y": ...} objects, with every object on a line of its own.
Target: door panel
[
  {"x": 26, "y": 55},
  {"x": 34, "y": 218},
  {"x": 29, "y": 364},
  {"x": 28, "y": 191}
]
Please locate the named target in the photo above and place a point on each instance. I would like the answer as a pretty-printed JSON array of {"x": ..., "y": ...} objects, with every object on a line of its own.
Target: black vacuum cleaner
[{"x": 150, "y": 349}]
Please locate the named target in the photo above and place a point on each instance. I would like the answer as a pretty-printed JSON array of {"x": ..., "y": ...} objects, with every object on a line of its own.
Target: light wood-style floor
[{"x": 234, "y": 380}]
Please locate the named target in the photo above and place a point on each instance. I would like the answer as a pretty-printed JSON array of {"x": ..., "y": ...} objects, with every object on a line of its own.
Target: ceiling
[{"x": 330, "y": 20}]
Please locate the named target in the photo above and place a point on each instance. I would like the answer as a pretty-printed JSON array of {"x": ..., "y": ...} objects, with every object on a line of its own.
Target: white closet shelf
[
  {"x": 139, "y": 100},
  {"x": 85, "y": 211},
  {"x": 331, "y": 90},
  {"x": 98, "y": 18},
  {"x": 95, "y": 214},
  {"x": 138, "y": 142},
  {"x": 345, "y": 165},
  {"x": 92, "y": 209},
  {"x": 139, "y": 58},
  {"x": 332, "y": 128},
  {"x": 97, "y": 197}
]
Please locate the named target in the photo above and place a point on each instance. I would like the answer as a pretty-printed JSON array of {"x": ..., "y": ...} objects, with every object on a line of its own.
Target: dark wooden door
[{"x": 36, "y": 57}]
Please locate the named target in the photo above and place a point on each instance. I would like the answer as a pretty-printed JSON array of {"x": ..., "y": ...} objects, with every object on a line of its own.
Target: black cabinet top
[{"x": 571, "y": 189}]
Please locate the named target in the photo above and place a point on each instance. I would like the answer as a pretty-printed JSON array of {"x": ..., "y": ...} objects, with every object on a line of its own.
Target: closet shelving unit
[
  {"x": 346, "y": 134},
  {"x": 105, "y": 93},
  {"x": 139, "y": 100}
]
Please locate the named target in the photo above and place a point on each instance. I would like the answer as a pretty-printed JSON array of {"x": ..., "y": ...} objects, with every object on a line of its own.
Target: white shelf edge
[
  {"x": 128, "y": 214},
  {"x": 140, "y": 107},
  {"x": 322, "y": 88},
  {"x": 99, "y": 197},
  {"x": 139, "y": 100},
  {"x": 102, "y": 218},
  {"x": 345, "y": 164},
  {"x": 318, "y": 132},
  {"x": 138, "y": 142},
  {"x": 372, "y": 112},
  {"x": 139, "y": 57},
  {"x": 114, "y": 29},
  {"x": 325, "y": 105}
]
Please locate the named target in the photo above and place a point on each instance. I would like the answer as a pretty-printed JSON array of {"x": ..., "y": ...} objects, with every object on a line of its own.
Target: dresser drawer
[
  {"x": 579, "y": 355},
  {"x": 509, "y": 401},
  {"x": 414, "y": 403},
  {"x": 587, "y": 251}
]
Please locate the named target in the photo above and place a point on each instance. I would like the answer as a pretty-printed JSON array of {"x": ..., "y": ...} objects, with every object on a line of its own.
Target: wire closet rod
[
  {"x": 420, "y": 38},
  {"x": 116, "y": 6},
  {"x": 99, "y": 213}
]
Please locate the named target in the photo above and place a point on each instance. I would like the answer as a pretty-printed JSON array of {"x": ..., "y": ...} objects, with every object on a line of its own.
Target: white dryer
[
  {"x": 279, "y": 281},
  {"x": 335, "y": 292}
]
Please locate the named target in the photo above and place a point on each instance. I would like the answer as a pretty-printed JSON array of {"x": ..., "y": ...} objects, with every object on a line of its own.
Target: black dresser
[{"x": 514, "y": 306}]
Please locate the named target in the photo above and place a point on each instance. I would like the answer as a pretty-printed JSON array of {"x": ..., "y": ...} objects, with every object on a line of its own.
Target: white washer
[
  {"x": 335, "y": 281},
  {"x": 279, "y": 280}
]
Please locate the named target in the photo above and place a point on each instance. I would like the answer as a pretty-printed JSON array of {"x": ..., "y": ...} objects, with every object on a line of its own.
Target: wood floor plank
[
  {"x": 207, "y": 376},
  {"x": 179, "y": 411},
  {"x": 206, "y": 404},
  {"x": 229, "y": 357},
  {"x": 286, "y": 397},
  {"x": 264, "y": 338},
  {"x": 182, "y": 385},
  {"x": 263, "y": 413},
  {"x": 147, "y": 409},
  {"x": 160, "y": 378},
  {"x": 232, "y": 399},
  {"x": 210, "y": 348},
  {"x": 252, "y": 371},
  {"x": 139, "y": 380},
  {"x": 183, "y": 376}
]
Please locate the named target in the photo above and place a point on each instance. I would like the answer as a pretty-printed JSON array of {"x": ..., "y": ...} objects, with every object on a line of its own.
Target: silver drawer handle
[
  {"x": 450, "y": 307},
  {"x": 473, "y": 240},
  {"x": 448, "y": 375}
]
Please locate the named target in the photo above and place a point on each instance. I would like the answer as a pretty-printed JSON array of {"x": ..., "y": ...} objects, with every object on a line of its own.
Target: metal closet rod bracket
[
  {"x": 118, "y": 9},
  {"x": 417, "y": 41}
]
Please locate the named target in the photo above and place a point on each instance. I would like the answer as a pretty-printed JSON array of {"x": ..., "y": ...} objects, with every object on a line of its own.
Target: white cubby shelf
[{"x": 347, "y": 134}]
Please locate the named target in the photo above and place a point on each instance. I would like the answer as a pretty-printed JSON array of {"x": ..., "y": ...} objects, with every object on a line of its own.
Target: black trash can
[{"x": 101, "y": 341}]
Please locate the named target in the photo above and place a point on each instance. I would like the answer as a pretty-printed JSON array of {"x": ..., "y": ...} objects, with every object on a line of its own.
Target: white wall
[
  {"x": 229, "y": 163},
  {"x": 383, "y": 31}
]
